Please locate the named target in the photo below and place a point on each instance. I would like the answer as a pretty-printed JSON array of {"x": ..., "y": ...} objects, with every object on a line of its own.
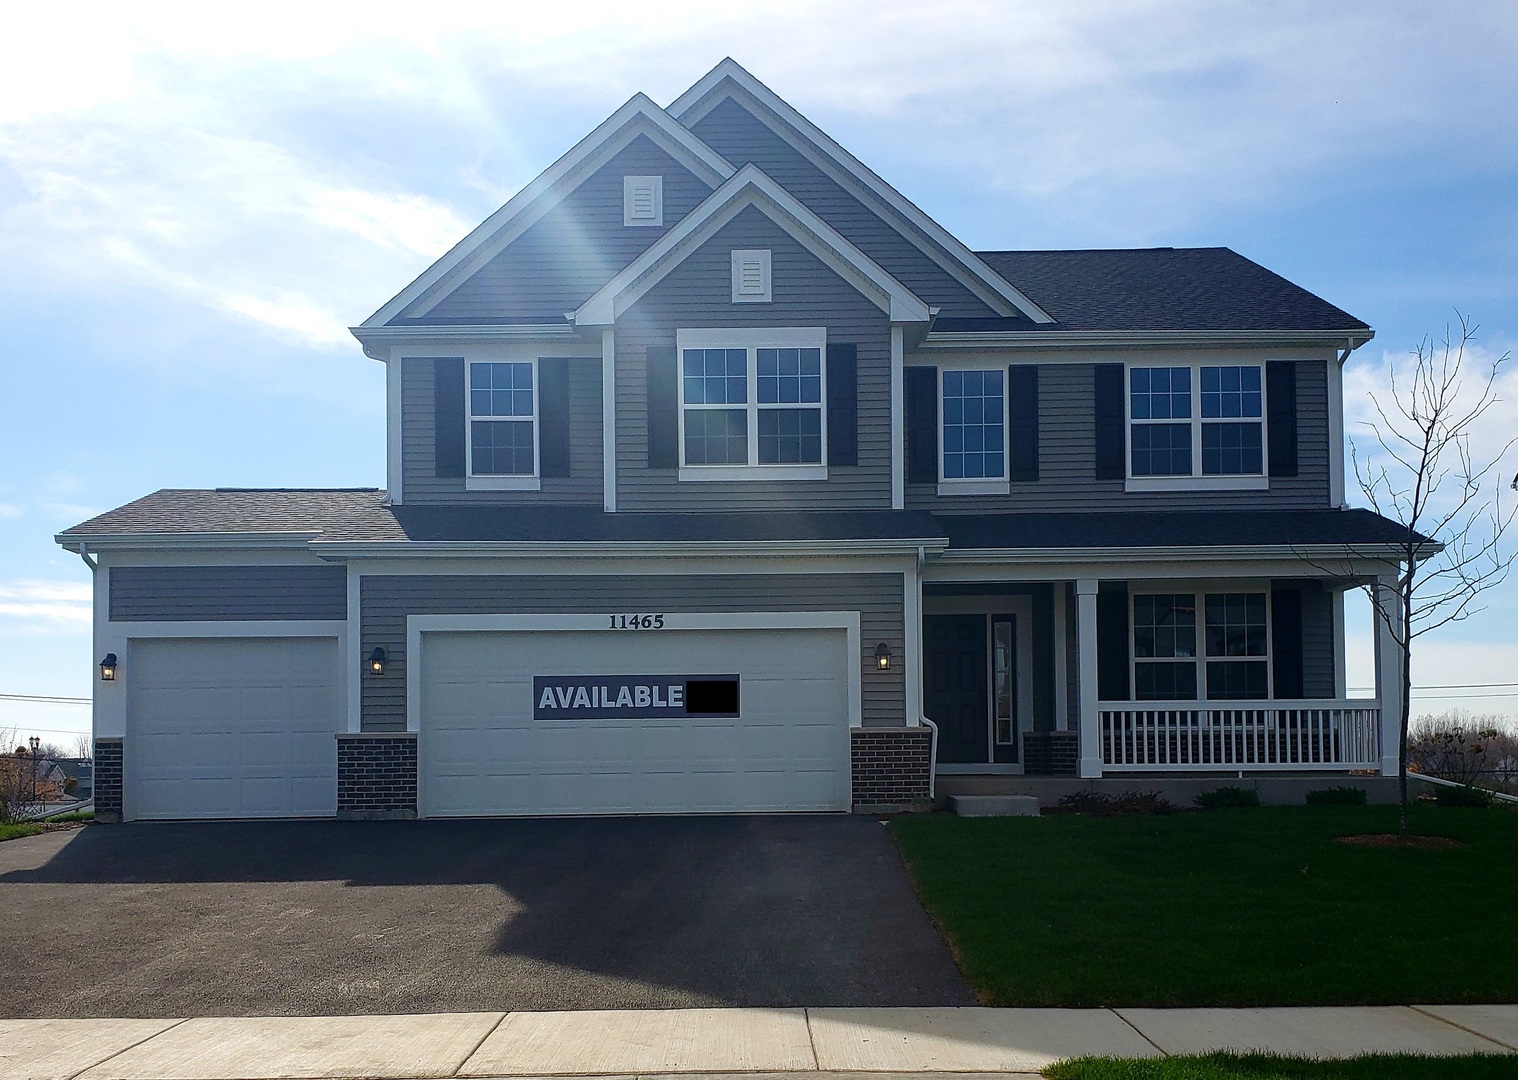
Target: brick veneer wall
[
  {"x": 1051, "y": 753},
  {"x": 376, "y": 776},
  {"x": 890, "y": 768},
  {"x": 108, "y": 780}
]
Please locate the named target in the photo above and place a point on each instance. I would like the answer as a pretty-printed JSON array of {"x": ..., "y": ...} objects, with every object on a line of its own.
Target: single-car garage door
[
  {"x": 674, "y": 721},
  {"x": 232, "y": 727}
]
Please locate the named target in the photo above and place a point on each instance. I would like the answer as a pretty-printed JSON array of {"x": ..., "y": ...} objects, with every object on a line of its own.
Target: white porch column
[
  {"x": 1085, "y": 628},
  {"x": 1386, "y": 612}
]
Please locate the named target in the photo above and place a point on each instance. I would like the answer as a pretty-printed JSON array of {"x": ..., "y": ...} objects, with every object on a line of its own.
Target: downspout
[
  {"x": 922, "y": 558},
  {"x": 84, "y": 553}
]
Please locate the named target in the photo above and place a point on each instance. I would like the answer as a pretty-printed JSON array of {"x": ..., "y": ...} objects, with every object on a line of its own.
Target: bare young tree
[
  {"x": 84, "y": 746},
  {"x": 1449, "y": 500}
]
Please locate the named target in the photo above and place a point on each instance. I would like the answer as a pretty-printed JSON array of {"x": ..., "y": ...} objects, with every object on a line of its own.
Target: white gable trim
[
  {"x": 751, "y": 187},
  {"x": 844, "y": 167},
  {"x": 640, "y": 116}
]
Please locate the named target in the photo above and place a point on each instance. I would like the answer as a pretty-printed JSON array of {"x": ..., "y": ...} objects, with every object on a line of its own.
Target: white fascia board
[
  {"x": 751, "y": 187},
  {"x": 402, "y": 549},
  {"x": 973, "y": 271},
  {"x": 1118, "y": 339},
  {"x": 1046, "y": 556},
  {"x": 639, "y": 116},
  {"x": 379, "y": 340},
  {"x": 183, "y": 541}
]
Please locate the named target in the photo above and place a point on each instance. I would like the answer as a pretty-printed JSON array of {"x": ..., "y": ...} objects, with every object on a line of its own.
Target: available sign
[{"x": 633, "y": 697}]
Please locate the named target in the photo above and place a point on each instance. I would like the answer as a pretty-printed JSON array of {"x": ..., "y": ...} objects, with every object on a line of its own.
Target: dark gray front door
[{"x": 955, "y": 694}]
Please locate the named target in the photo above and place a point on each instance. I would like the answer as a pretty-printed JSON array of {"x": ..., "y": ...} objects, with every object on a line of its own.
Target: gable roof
[
  {"x": 751, "y": 187},
  {"x": 729, "y": 79},
  {"x": 638, "y": 116},
  {"x": 1159, "y": 289}
]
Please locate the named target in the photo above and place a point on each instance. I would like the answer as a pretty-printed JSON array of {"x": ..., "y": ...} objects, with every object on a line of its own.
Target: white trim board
[
  {"x": 818, "y": 147},
  {"x": 639, "y": 116},
  {"x": 751, "y": 187},
  {"x": 417, "y": 625}
]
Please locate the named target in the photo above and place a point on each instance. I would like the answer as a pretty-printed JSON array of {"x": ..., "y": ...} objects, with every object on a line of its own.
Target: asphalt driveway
[{"x": 381, "y": 917}]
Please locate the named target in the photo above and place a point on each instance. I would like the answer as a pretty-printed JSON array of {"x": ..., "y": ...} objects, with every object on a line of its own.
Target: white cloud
[
  {"x": 9, "y": 511},
  {"x": 47, "y": 604}
]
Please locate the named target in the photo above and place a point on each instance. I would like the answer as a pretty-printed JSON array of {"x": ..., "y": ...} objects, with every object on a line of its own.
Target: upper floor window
[
  {"x": 642, "y": 200},
  {"x": 751, "y": 404},
  {"x": 503, "y": 421},
  {"x": 1233, "y": 663},
  {"x": 974, "y": 425},
  {"x": 1202, "y": 420}
]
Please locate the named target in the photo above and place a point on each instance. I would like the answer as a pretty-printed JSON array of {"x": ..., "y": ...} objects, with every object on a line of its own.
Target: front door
[{"x": 955, "y": 692}]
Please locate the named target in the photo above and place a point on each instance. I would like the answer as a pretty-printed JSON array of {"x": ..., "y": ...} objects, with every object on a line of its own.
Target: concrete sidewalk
[{"x": 791, "y": 1042}]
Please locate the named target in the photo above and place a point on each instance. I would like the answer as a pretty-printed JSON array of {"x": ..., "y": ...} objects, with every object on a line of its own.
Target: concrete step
[{"x": 995, "y": 805}]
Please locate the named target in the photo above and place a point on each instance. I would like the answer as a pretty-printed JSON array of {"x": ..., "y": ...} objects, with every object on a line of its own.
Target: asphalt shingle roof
[
  {"x": 360, "y": 514},
  {"x": 1157, "y": 289}
]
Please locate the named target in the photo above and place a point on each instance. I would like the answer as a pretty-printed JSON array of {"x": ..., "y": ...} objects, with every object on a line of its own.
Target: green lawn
[
  {"x": 1230, "y": 907},
  {"x": 1271, "y": 1067},
  {"x": 12, "y": 832}
]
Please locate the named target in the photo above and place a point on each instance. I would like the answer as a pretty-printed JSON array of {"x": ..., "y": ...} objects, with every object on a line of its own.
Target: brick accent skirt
[
  {"x": 376, "y": 776},
  {"x": 890, "y": 768},
  {"x": 1050, "y": 753},
  {"x": 108, "y": 780}
]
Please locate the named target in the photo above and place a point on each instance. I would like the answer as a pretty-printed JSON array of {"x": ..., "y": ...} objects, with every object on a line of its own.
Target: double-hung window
[
  {"x": 1199, "y": 425},
  {"x": 1233, "y": 662},
  {"x": 503, "y": 423},
  {"x": 973, "y": 439},
  {"x": 752, "y": 404}
]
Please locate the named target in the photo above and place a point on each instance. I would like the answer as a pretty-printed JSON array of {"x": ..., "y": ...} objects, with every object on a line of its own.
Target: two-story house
[{"x": 721, "y": 478}]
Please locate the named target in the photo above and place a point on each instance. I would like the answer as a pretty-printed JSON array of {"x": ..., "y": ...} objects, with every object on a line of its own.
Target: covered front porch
[{"x": 1153, "y": 668}]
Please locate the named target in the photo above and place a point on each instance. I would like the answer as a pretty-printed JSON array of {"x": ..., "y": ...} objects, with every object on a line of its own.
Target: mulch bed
[{"x": 1399, "y": 840}]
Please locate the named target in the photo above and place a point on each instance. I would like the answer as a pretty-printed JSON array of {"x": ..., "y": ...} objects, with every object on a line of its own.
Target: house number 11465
[{"x": 636, "y": 622}]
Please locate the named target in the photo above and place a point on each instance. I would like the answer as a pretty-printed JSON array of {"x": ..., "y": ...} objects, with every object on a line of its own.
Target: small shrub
[
  {"x": 1471, "y": 797},
  {"x": 73, "y": 815},
  {"x": 1336, "y": 796},
  {"x": 1124, "y": 804},
  {"x": 1224, "y": 798}
]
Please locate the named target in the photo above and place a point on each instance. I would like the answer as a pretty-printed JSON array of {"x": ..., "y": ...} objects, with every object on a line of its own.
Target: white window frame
[
  {"x": 630, "y": 186},
  {"x": 1201, "y": 590},
  {"x": 762, "y": 256},
  {"x": 1197, "y": 481},
  {"x": 812, "y": 337},
  {"x": 493, "y": 481},
  {"x": 977, "y": 485}
]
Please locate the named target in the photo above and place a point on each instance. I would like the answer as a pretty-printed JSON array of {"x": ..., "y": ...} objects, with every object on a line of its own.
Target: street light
[{"x": 36, "y": 742}]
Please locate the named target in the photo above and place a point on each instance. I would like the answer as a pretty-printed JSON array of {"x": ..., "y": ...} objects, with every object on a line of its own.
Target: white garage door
[
  {"x": 223, "y": 727},
  {"x": 483, "y": 753}
]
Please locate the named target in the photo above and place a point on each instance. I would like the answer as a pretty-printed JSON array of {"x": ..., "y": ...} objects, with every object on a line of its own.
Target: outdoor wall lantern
[
  {"x": 108, "y": 668},
  {"x": 377, "y": 661},
  {"x": 883, "y": 656}
]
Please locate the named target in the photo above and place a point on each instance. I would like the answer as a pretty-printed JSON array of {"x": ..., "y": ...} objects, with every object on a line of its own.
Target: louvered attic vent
[
  {"x": 642, "y": 200},
  {"x": 751, "y": 276}
]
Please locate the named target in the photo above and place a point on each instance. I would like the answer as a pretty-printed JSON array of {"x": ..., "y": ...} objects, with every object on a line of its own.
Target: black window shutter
[
  {"x": 663, "y": 409},
  {"x": 448, "y": 416},
  {"x": 1022, "y": 439},
  {"x": 553, "y": 416},
  {"x": 1286, "y": 642},
  {"x": 843, "y": 404},
  {"x": 1281, "y": 408},
  {"x": 1111, "y": 420},
  {"x": 922, "y": 425},
  {"x": 1112, "y": 644}
]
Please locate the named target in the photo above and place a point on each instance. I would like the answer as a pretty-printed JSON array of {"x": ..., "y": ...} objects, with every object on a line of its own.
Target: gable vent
[
  {"x": 642, "y": 200},
  {"x": 751, "y": 276}
]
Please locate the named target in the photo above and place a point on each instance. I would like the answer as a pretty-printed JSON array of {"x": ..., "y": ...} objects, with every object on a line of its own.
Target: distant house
[
  {"x": 79, "y": 776},
  {"x": 39, "y": 779},
  {"x": 722, "y": 478}
]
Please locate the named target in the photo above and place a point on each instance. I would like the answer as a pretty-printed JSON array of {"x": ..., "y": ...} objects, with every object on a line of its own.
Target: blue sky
[{"x": 194, "y": 204}]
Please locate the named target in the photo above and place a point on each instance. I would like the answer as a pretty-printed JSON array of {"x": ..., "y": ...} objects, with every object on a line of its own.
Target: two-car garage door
[
  {"x": 490, "y": 747},
  {"x": 232, "y": 727}
]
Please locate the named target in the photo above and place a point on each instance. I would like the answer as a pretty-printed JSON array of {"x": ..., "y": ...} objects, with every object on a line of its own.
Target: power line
[{"x": 54, "y": 699}]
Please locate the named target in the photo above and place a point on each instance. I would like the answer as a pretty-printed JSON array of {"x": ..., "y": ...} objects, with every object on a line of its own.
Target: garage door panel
[
  {"x": 223, "y": 727},
  {"x": 484, "y": 753}
]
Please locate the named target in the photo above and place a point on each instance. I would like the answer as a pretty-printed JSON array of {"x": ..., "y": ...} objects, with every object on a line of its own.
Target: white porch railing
[{"x": 1255, "y": 736}]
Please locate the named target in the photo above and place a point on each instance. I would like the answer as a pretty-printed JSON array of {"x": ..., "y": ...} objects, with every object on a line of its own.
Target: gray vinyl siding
[
  {"x": 582, "y": 487},
  {"x": 387, "y": 601},
  {"x": 574, "y": 249},
  {"x": 733, "y": 132},
  {"x": 196, "y": 593},
  {"x": 806, "y": 292},
  {"x": 1318, "y": 645},
  {"x": 1067, "y": 459}
]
